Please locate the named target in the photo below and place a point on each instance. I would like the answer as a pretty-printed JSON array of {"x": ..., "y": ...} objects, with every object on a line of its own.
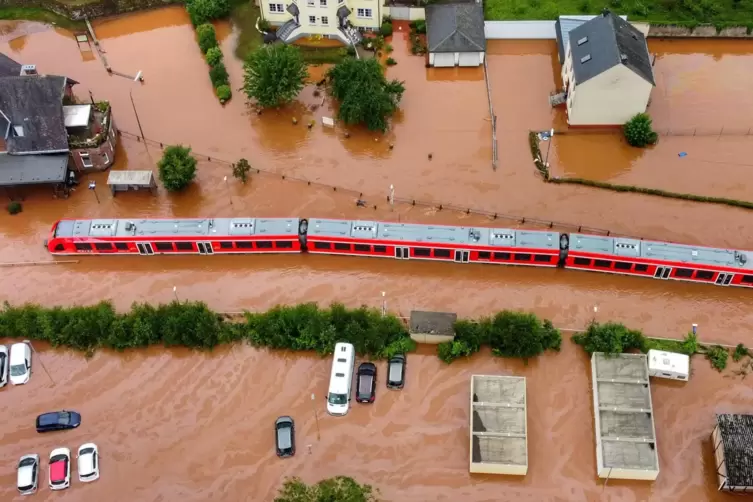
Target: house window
[
  {"x": 325, "y": 21},
  {"x": 275, "y": 7},
  {"x": 312, "y": 19},
  {"x": 322, "y": 3},
  {"x": 585, "y": 59},
  {"x": 86, "y": 160},
  {"x": 363, "y": 12},
  {"x": 106, "y": 158},
  {"x": 310, "y": 3},
  {"x": 582, "y": 40}
]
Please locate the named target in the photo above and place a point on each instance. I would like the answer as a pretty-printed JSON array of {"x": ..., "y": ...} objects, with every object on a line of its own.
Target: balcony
[{"x": 87, "y": 124}]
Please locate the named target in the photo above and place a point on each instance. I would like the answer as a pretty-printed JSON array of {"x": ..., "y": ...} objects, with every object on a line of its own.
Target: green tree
[
  {"x": 274, "y": 75},
  {"x": 638, "y": 131},
  {"x": 177, "y": 168},
  {"x": 213, "y": 56},
  {"x": 523, "y": 335},
  {"x": 365, "y": 95},
  {"x": 610, "y": 338},
  {"x": 241, "y": 169},
  {"x": 202, "y": 11},
  {"x": 14, "y": 207},
  {"x": 223, "y": 93},
  {"x": 337, "y": 489},
  {"x": 207, "y": 38},
  {"x": 218, "y": 75}
]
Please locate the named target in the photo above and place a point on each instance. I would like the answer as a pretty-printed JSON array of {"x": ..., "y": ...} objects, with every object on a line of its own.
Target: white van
[
  {"x": 669, "y": 365},
  {"x": 338, "y": 397}
]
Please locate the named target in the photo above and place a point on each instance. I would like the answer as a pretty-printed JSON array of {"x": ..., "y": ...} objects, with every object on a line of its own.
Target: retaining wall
[
  {"x": 96, "y": 8},
  {"x": 404, "y": 13}
]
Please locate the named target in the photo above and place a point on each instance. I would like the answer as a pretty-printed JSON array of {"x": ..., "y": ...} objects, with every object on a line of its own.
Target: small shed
[
  {"x": 669, "y": 365},
  {"x": 122, "y": 181},
  {"x": 432, "y": 327},
  {"x": 455, "y": 34},
  {"x": 732, "y": 439}
]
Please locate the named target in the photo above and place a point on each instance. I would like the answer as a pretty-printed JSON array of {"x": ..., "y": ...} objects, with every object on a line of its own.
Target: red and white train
[{"x": 404, "y": 241}]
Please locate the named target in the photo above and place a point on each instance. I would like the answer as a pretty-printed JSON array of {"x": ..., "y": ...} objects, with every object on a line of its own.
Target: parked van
[
  {"x": 668, "y": 365},
  {"x": 341, "y": 380}
]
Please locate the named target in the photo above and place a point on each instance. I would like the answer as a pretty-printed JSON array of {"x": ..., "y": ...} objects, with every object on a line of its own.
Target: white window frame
[
  {"x": 312, "y": 20},
  {"x": 85, "y": 157},
  {"x": 325, "y": 21},
  {"x": 362, "y": 13},
  {"x": 276, "y": 8},
  {"x": 107, "y": 158}
]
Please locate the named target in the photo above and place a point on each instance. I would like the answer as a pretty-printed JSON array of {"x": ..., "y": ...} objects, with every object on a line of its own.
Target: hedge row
[
  {"x": 533, "y": 142},
  {"x": 193, "y": 325},
  {"x": 213, "y": 56},
  {"x": 509, "y": 334}
]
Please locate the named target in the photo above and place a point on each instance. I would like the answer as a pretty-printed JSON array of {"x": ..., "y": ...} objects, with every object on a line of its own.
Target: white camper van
[
  {"x": 669, "y": 365},
  {"x": 338, "y": 397}
]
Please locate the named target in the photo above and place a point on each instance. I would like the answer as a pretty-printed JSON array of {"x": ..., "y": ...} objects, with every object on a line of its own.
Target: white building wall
[
  {"x": 456, "y": 55},
  {"x": 611, "y": 98}
]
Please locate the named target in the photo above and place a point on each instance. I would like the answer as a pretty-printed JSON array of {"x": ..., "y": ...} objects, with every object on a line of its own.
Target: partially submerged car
[
  {"x": 285, "y": 437},
  {"x": 88, "y": 462},
  {"x": 366, "y": 383},
  {"x": 58, "y": 421},
  {"x": 20, "y": 363},
  {"x": 396, "y": 372},
  {"x": 60, "y": 469},
  {"x": 28, "y": 474},
  {"x": 3, "y": 365}
]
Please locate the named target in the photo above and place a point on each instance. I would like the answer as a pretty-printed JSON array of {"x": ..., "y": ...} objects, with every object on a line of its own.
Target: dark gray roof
[
  {"x": 8, "y": 67},
  {"x": 34, "y": 102},
  {"x": 435, "y": 323},
  {"x": 610, "y": 41},
  {"x": 455, "y": 27},
  {"x": 737, "y": 437},
  {"x": 32, "y": 169}
]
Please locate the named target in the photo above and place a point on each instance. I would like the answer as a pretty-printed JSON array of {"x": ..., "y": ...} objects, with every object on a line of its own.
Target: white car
[
  {"x": 88, "y": 463},
  {"x": 28, "y": 474},
  {"x": 60, "y": 469},
  {"x": 20, "y": 363},
  {"x": 3, "y": 365}
]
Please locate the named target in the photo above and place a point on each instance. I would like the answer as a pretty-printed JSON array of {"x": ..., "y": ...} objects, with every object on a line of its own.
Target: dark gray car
[
  {"x": 285, "y": 437},
  {"x": 396, "y": 372}
]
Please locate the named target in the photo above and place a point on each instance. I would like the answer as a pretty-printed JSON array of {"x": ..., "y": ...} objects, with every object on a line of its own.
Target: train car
[
  {"x": 659, "y": 260},
  {"x": 406, "y": 241},
  {"x": 177, "y": 236}
]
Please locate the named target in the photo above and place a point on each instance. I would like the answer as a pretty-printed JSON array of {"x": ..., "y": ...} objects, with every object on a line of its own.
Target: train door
[
  {"x": 205, "y": 247},
  {"x": 144, "y": 248},
  {"x": 724, "y": 279},
  {"x": 461, "y": 256},
  {"x": 402, "y": 253},
  {"x": 662, "y": 272}
]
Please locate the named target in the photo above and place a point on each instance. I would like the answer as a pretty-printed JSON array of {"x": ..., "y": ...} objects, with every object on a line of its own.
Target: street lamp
[
  {"x": 316, "y": 417},
  {"x": 384, "y": 304},
  {"x": 93, "y": 188},
  {"x": 175, "y": 293},
  {"x": 28, "y": 342},
  {"x": 230, "y": 198},
  {"x": 551, "y": 138},
  {"x": 695, "y": 329},
  {"x": 392, "y": 196}
]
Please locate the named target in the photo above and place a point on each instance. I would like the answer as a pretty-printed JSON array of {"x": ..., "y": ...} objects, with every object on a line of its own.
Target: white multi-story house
[{"x": 337, "y": 19}]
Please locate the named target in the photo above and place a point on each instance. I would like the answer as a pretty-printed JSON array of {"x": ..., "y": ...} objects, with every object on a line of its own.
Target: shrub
[
  {"x": 391, "y": 62},
  {"x": 207, "y": 37},
  {"x": 213, "y": 56},
  {"x": 202, "y": 11},
  {"x": 638, "y": 131},
  {"x": 449, "y": 351},
  {"x": 386, "y": 29},
  {"x": 388, "y": 48},
  {"x": 688, "y": 346},
  {"x": 717, "y": 355},
  {"x": 274, "y": 75},
  {"x": 177, "y": 168},
  {"x": 14, "y": 207},
  {"x": 740, "y": 352},
  {"x": 350, "y": 50},
  {"x": 241, "y": 169},
  {"x": 610, "y": 338},
  {"x": 223, "y": 93},
  {"x": 218, "y": 75},
  {"x": 335, "y": 489},
  {"x": 419, "y": 26},
  {"x": 264, "y": 25}
]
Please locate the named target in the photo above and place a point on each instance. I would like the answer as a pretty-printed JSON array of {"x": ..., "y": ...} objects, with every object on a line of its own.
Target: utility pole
[
  {"x": 384, "y": 304},
  {"x": 392, "y": 197},
  {"x": 551, "y": 138},
  {"x": 93, "y": 188},
  {"x": 230, "y": 198},
  {"x": 28, "y": 342},
  {"x": 175, "y": 293},
  {"x": 316, "y": 417}
]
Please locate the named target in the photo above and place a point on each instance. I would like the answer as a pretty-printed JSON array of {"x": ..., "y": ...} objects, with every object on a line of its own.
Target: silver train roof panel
[
  {"x": 434, "y": 234},
  {"x": 209, "y": 227}
]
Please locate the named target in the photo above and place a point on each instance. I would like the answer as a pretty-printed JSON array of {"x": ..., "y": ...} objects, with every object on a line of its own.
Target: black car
[
  {"x": 396, "y": 372},
  {"x": 366, "y": 384},
  {"x": 285, "y": 437},
  {"x": 58, "y": 421}
]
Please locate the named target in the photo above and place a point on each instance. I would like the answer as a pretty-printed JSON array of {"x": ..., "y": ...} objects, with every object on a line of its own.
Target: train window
[
  {"x": 747, "y": 278},
  {"x": 341, "y": 246},
  {"x": 121, "y": 246},
  {"x": 501, "y": 256},
  {"x": 322, "y": 245},
  {"x": 59, "y": 247},
  {"x": 366, "y": 248},
  {"x": 163, "y": 246},
  {"x": 683, "y": 272},
  {"x": 421, "y": 252},
  {"x": 263, "y": 244},
  {"x": 226, "y": 245},
  {"x": 522, "y": 257},
  {"x": 582, "y": 261},
  {"x": 284, "y": 245},
  {"x": 103, "y": 246},
  {"x": 380, "y": 249},
  {"x": 621, "y": 265},
  {"x": 640, "y": 267},
  {"x": 442, "y": 253},
  {"x": 542, "y": 258},
  {"x": 83, "y": 246},
  {"x": 483, "y": 255},
  {"x": 704, "y": 274},
  {"x": 245, "y": 245},
  {"x": 184, "y": 246},
  {"x": 602, "y": 263}
]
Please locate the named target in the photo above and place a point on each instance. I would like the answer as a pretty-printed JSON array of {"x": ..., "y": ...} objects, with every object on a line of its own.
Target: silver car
[{"x": 28, "y": 474}]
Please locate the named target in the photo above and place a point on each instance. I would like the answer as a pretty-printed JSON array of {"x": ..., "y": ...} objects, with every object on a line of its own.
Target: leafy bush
[
  {"x": 386, "y": 29},
  {"x": 388, "y": 48},
  {"x": 177, "y": 168},
  {"x": 740, "y": 352},
  {"x": 717, "y": 355},
  {"x": 418, "y": 26},
  {"x": 213, "y": 56},
  {"x": 264, "y": 25},
  {"x": 202, "y": 11},
  {"x": 241, "y": 169},
  {"x": 223, "y": 93},
  {"x": 207, "y": 37},
  {"x": 350, "y": 50},
  {"x": 638, "y": 131},
  {"x": 274, "y": 75},
  {"x": 449, "y": 351},
  {"x": 610, "y": 338},
  {"x": 688, "y": 346},
  {"x": 337, "y": 489},
  {"x": 391, "y": 62},
  {"x": 14, "y": 207},
  {"x": 218, "y": 75}
]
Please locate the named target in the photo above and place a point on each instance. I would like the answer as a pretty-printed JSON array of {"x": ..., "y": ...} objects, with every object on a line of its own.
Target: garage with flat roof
[
  {"x": 625, "y": 432},
  {"x": 499, "y": 443}
]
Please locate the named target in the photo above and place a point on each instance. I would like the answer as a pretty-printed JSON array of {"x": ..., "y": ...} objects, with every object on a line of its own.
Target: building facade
[{"x": 93, "y": 146}]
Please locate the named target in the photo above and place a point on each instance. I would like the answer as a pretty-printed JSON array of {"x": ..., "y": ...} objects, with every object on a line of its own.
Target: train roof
[
  {"x": 434, "y": 234},
  {"x": 666, "y": 251},
  {"x": 185, "y": 227}
]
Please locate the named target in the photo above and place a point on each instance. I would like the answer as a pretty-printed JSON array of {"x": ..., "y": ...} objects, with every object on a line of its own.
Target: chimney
[{"x": 28, "y": 69}]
